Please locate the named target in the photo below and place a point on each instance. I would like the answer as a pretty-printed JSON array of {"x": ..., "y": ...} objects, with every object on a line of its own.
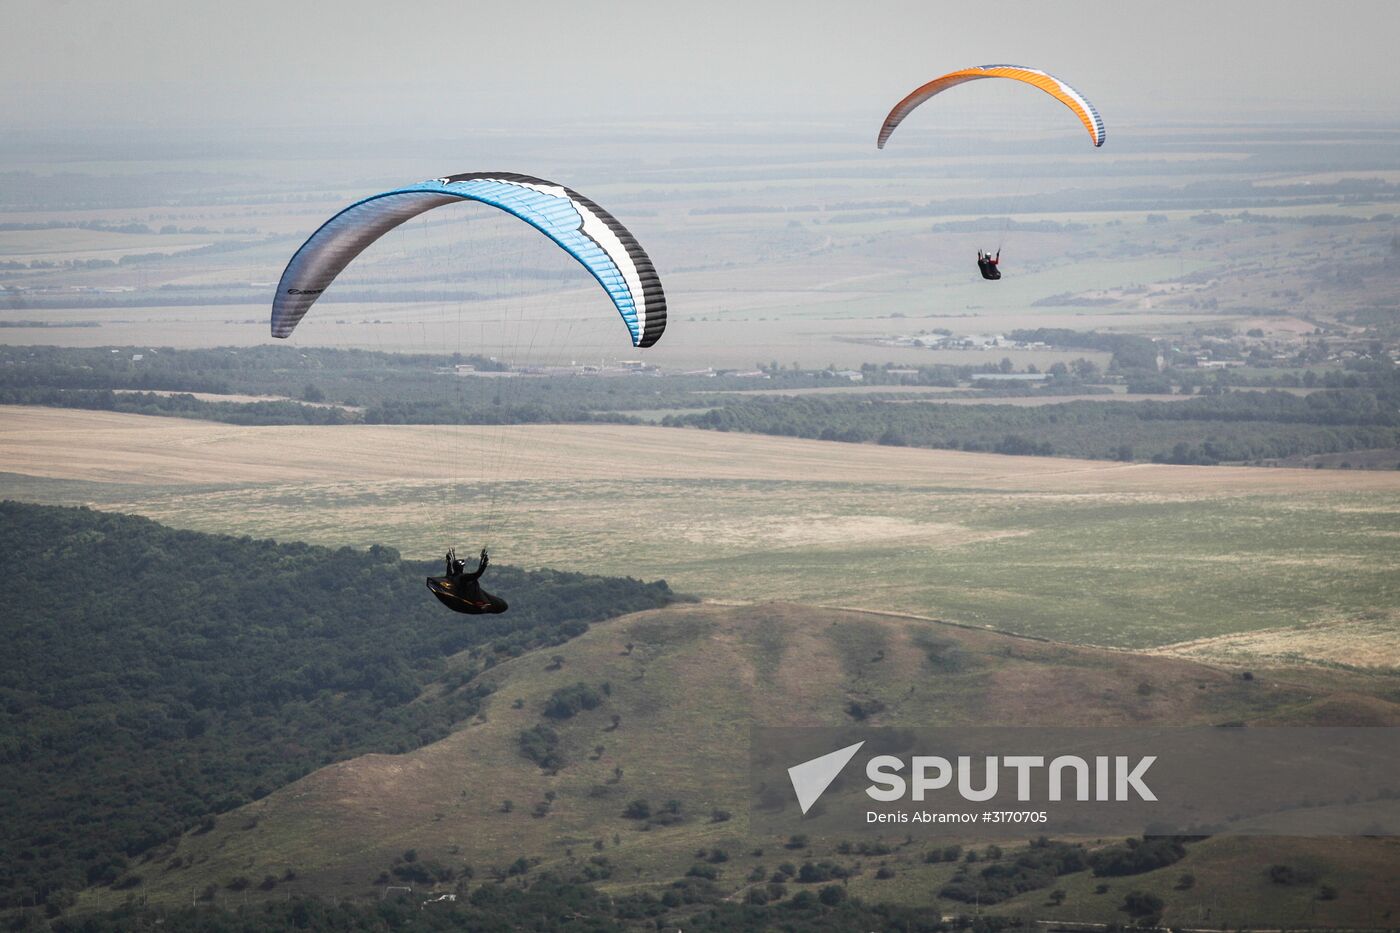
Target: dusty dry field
[
  {"x": 1128, "y": 555},
  {"x": 1363, "y": 642}
]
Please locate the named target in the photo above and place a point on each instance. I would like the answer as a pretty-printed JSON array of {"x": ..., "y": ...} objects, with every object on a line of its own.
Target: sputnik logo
[{"x": 811, "y": 778}]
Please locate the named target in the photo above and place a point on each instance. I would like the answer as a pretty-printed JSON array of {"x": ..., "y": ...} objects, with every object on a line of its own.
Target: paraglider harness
[
  {"x": 461, "y": 591},
  {"x": 987, "y": 264}
]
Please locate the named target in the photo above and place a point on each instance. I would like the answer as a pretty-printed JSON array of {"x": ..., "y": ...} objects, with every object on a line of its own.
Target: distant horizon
[
  {"x": 63, "y": 145},
  {"x": 432, "y": 66}
]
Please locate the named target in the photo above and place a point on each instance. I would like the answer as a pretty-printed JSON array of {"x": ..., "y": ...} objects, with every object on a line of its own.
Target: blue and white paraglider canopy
[{"x": 583, "y": 229}]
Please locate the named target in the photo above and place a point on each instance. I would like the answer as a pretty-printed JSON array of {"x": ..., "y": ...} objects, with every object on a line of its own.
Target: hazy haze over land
[{"x": 440, "y": 66}]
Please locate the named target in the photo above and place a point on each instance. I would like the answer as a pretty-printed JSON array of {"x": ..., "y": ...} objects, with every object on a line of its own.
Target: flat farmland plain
[{"x": 1126, "y": 555}]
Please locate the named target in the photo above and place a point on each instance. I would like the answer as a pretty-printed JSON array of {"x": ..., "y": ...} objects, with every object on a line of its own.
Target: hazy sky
[{"x": 441, "y": 64}]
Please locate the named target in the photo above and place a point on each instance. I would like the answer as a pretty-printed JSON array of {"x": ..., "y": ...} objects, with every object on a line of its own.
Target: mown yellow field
[
  {"x": 1361, "y": 643},
  {"x": 119, "y": 448}
]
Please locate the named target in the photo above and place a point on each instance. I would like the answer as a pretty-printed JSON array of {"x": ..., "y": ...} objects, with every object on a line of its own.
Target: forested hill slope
[
  {"x": 152, "y": 677},
  {"x": 621, "y": 760}
]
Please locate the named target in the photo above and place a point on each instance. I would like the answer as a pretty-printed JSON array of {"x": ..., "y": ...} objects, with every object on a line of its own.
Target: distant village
[
  {"x": 1204, "y": 351},
  {"x": 604, "y": 369}
]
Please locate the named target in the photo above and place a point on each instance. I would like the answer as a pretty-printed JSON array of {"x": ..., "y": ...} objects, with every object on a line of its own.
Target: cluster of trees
[
  {"x": 567, "y": 702},
  {"x": 1235, "y": 426},
  {"x": 540, "y": 744},
  {"x": 668, "y": 814},
  {"x": 1333, "y": 408},
  {"x": 1044, "y": 861},
  {"x": 115, "y": 368},
  {"x": 181, "y": 406},
  {"x": 1036, "y": 867},
  {"x": 1129, "y": 351},
  {"x": 153, "y": 677},
  {"x": 393, "y": 388},
  {"x": 454, "y": 412},
  {"x": 1143, "y": 906},
  {"x": 263, "y": 370},
  {"x": 1136, "y": 856}
]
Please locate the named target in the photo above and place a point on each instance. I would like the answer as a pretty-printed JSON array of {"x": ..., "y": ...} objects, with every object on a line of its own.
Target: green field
[
  {"x": 1129, "y": 573},
  {"x": 1135, "y": 556}
]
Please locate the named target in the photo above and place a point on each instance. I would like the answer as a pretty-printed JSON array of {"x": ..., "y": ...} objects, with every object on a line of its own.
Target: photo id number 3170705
[{"x": 986, "y": 816}]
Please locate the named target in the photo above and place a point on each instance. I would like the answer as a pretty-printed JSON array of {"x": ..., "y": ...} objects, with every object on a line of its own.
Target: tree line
[{"x": 1231, "y": 427}]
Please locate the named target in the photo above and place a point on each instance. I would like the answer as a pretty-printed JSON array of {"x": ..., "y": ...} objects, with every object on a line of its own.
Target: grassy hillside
[
  {"x": 676, "y": 691},
  {"x": 152, "y": 677}
]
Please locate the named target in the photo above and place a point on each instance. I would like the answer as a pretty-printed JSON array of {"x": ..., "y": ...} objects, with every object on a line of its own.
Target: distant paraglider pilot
[
  {"x": 461, "y": 591},
  {"x": 987, "y": 264}
]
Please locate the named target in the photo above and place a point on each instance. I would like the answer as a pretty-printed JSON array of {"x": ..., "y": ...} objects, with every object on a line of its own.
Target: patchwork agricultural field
[{"x": 795, "y": 247}]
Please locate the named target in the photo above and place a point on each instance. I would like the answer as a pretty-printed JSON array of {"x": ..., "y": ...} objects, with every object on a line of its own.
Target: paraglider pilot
[
  {"x": 987, "y": 264},
  {"x": 461, "y": 591}
]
